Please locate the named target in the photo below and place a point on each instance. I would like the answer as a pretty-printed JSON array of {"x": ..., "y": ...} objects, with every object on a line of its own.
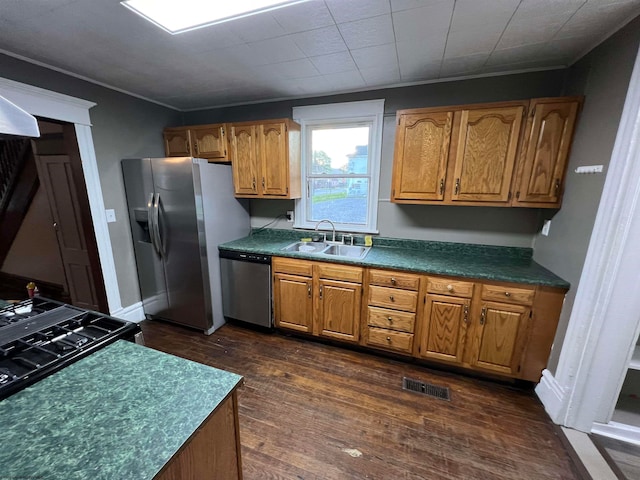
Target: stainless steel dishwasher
[{"x": 246, "y": 287}]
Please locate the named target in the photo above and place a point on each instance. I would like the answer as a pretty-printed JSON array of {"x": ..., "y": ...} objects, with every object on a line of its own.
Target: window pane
[
  {"x": 341, "y": 200},
  {"x": 339, "y": 150}
]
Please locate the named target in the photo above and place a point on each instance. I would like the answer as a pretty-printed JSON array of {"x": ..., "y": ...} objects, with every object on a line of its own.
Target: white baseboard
[
  {"x": 619, "y": 431},
  {"x": 552, "y": 395},
  {"x": 132, "y": 313}
]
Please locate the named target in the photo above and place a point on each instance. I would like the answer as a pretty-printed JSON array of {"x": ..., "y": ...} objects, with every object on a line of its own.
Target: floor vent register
[{"x": 425, "y": 388}]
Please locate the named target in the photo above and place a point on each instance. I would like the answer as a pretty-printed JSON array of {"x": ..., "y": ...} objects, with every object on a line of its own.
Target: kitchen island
[{"x": 124, "y": 412}]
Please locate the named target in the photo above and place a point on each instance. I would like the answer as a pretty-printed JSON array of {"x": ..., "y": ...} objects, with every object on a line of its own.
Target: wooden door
[
  {"x": 444, "y": 328},
  {"x": 210, "y": 142},
  {"x": 293, "y": 303},
  {"x": 177, "y": 142},
  {"x": 421, "y": 156},
  {"x": 486, "y": 154},
  {"x": 338, "y": 310},
  {"x": 74, "y": 231},
  {"x": 273, "y": 159},
  {"x": 244, "y": 160},
  {"x": 500, "y": 337},
  {"x": 546, "y": 150}
]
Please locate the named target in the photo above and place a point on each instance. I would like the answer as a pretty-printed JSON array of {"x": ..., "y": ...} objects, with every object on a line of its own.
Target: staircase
[{"x": 18, "y": 185}]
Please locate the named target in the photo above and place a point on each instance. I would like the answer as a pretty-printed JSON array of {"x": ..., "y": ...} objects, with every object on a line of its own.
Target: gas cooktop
[{"x": 40, "y": 336}]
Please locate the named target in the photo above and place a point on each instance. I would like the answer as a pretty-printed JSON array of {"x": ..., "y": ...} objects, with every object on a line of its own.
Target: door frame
[
  {"x": 45, "y": 103},
  {"x": 604, "y": 323}
]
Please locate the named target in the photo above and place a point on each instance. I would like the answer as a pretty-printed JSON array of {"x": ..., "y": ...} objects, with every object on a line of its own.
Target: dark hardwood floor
[{"x": 314, "y": 411}]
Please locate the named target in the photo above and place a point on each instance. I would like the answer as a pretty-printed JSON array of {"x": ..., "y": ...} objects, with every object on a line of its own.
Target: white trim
[
  {"x": 619, "y": 431},
  {"x": 364, "y": 111},
  {"x": 132, "y": 313},
  {"x": 56, "y": 106},
  {"x": 552, "y": 395},
  {"x": 604, "y": 322}
]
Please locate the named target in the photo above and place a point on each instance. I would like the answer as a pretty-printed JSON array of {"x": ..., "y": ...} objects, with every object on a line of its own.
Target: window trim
[{"x": 370, "y": 111}]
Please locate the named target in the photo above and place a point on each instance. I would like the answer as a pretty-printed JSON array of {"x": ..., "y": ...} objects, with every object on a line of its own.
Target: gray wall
[
  {"x": 494, "y": 226},
  {"x": 123, "y": 126},
  {"x": 603, "y": 77}
]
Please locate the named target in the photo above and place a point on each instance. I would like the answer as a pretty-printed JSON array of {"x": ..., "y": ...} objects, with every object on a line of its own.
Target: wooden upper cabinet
[
  {"x": 545, "y": 151},
  {"x": 421, "y": 154},
  {"x": 210, "y": 142},
  {"x": 202, "y": 141},
  {"x": 266, "y": 159},
  {"x": 244, "y": 160},
  {"x": 177, "y": 142},
  {"x": 485, "y": 155}
]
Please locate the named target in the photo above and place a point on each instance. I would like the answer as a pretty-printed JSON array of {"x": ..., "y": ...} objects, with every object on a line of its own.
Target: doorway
[{"x": 55, "y": 245}]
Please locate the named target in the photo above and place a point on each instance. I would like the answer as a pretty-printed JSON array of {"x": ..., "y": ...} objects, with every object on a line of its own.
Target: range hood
[{"x": 15, "y": 121}]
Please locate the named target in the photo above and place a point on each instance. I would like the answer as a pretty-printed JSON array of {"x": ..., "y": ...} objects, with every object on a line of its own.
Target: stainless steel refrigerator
[{"x": 180, "y": 210}]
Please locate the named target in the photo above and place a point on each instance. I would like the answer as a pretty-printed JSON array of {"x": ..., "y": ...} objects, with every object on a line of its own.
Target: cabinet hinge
[
  {"x": 222, "y": 131},
  {"x": 533, "y": 111},
  {"x": 509, "y": 196},
  {"x": 393, "y": 192},
  {"x": 424, "y": 300},
  {"x": 531, "y": 314},
  {"x": 517, "y": 195},
  {"x": 519, "y": 368},
  {"x": 398, "y": 121}
]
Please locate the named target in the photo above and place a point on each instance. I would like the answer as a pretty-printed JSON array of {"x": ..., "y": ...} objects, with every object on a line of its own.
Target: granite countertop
[
  {"x": 486, "y": 262},
  {"x": 119, "y": 413}
]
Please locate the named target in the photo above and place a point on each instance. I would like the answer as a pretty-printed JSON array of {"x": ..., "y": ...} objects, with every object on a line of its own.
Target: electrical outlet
[
  {"x": 289, "y": 215},
  {"x": 546, "y": 227}
]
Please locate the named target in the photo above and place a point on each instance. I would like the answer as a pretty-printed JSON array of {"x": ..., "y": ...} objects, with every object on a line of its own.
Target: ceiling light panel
[{"x": 185, "y": 15}]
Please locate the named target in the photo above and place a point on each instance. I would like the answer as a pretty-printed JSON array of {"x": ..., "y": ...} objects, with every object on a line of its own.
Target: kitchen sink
[
  {"x": 351, "y": 251},
  {"x": 306, "y": 247}
]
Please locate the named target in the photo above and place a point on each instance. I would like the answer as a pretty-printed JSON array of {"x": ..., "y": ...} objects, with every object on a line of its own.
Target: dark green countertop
[
  {"x": 120, "y": 413},
  {"x": 507, "y": 264}
]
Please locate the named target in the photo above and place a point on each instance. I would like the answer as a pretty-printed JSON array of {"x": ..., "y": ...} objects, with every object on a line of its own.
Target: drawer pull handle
[
  {"x": 450, "y": 287},
  {"x": 390, "y": 319},
  {"x": 389, "y": 339},
  {"x": 391, "y": 298},
  {"x": 507, "y": 294},
  {"x": 393, "y": 281},
  {"x": 483, "y": 315}
]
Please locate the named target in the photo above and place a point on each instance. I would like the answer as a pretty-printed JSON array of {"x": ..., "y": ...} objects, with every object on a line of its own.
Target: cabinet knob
[
  {"x": 393, "y": 281},
  {"x": 507, "y": 294},
  {"x": 450, "y": 287},
  {"x": 391, "y": 298},
  {"x": 390, "y": 319},
  {"x": 389, "y": 339}
]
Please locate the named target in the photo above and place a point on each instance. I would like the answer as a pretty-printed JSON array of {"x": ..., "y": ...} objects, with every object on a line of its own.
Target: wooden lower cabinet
[
  {"x": 317, "y": 298},
  {"x": 497, "y": 328},
  {"x": 213, "y": 451}
]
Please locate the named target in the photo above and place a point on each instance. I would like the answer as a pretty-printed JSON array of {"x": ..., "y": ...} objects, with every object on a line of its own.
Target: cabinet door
[
  {"x": 273, "y": 159},
  {"x": 244, "y": 160},
  {"x": 544, "y": 159},
  {"x": 177, "y": 142},
  {"x": 500, "y": 337},
  {"x": 486, "y": 154},
  {"x": 444, "y": 328},
  {"x": 421, "y": 156},
  {"x": 293, "y": 303},
  {"x": 209, "y": 142},
  {"x": 338, "y": 312}
]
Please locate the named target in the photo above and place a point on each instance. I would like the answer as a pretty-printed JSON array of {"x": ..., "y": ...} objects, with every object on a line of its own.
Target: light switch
[
  {"x": 111, "y": 215},
  {"x": 546, "y": 227}
]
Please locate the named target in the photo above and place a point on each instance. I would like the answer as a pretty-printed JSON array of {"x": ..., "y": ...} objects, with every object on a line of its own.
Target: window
[{"x": 340, "y": 165}]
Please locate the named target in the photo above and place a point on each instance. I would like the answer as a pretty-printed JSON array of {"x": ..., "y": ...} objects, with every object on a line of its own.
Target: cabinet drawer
[
  {"x": 292, "y": 266},
  {"x": 394, "y": 279},
  {"x": 523, "y": 296},
  {"x": 455, "y": 288},
  {"x": 393, "y": 298},
  {"x": 391, "y": 319},
  {"x": 381, "y": 337},
  {"x": 339, "y": 272}
]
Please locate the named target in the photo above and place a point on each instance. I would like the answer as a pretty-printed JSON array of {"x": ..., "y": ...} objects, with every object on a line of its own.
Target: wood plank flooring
[{"x": 314, "y": 411}]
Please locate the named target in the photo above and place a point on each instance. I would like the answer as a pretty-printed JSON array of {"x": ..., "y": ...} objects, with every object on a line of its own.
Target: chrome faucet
[{"x": 332, "y": 226}]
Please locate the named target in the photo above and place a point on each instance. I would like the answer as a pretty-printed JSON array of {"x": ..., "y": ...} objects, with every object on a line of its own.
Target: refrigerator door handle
[
  {"x": 152, "y": 230},
  {"x": 156, "y": 224}
]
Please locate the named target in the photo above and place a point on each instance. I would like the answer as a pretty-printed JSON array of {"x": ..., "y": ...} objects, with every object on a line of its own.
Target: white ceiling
[{"x": 314, "y": 48}]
